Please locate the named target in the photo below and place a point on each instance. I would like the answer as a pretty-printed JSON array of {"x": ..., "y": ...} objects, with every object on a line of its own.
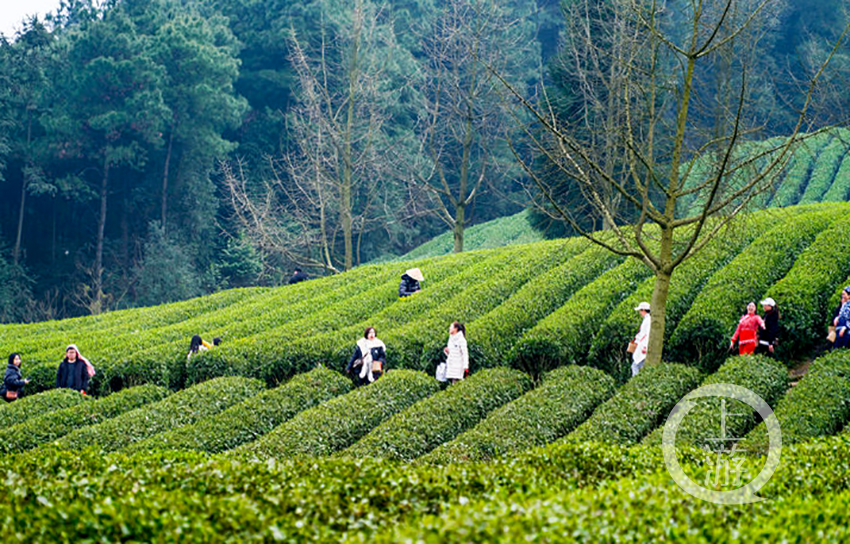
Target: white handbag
[{"x": 441, "y": 372}]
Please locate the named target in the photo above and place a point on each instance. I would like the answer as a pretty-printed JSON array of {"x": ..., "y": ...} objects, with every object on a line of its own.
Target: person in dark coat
[
  {"x": 73, "y": 372},
  {"x": 770, "y": 333},
  {"x": 410, "y": 282},
  {"x": 369, "y": 360},
  {"x": 13, "y": 382},
  {"x": 298, "y": 276}
]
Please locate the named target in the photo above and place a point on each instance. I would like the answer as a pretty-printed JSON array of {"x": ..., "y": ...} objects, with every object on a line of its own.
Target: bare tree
[
  {"x": 326, "y": 189},
  {"x": 661, "y": 118},
  {"x": 463, "y": 118}
]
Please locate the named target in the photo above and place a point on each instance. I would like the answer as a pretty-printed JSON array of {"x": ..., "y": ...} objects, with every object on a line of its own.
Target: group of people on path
[
  {"x": 369, "y": 360},
  {"x": 754, "y": 333},
  {"x": 74, "y": 373}
]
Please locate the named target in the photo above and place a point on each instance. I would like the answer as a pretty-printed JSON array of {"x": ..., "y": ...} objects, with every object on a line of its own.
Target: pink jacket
[{"x": 748, "y": 323}]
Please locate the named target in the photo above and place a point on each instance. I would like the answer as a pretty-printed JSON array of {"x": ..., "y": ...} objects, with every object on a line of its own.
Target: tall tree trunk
[
  {"x": 164, "y": 206},
  {"x": 345, "y": 204},
  {"x": 658, "y": 304},
  {"x": 101, "y": 229},
  {"x": 460, "y": 204},
  {"x": 16, "y": 253}
]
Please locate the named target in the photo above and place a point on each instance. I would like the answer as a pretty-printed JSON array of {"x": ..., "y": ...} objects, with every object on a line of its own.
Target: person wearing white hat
[
  {"x": 410, "y": 282},
  {"x": 770, "y": 333},
  {"x": 642, "y": 339}
]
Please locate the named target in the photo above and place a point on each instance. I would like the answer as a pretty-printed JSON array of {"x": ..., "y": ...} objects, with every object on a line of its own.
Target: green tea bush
[
  {"x": 183, "y": 408},
  {"x": 437, "y": 419},
  {"x": 280, "y": 353},
  {"x": 566, "y": 398},
  {"x": 565, "y": 336},
  {"x": 803, "y": 294},
  {"x": 828, "y": 163},
  {"x": 608, "y": 350},
  {"x": 639, "y": 406},
  {"x": 32, "y": 406},
  {"x": 496, "y": 332},
  {"x": 419, "y": 344},
  {"x": 765, "y": 377},
  {"x": 253, "y": 418},
  {"x": 840, "y": 188},
  {"x": 703, "y": 334},
  {"x": 340, "y": 422},
  {"x": 54, "y": 425},
  {"x": 818, "y": 406},
  {"x": 799, "y": 170}
]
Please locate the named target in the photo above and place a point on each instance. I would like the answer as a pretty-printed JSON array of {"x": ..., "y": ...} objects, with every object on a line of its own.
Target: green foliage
[
  {"x": 340, "y": 422},
  {"x": 50, "y": 426},
  {"x": 818, "y": 406},
  {"x": 565, "y": 335},
  {"x": 566, "y": 398},
  {"x": 496, "y": 332},
  {"x": 511, "y": 230},
  {"x": 803, "y": 294},
  {"x": 253, "y": 418},
  {"x": 32, "y": 406},
  {"x": 826, "y": 166},
  {"x": 183, "y": 408},
  {"x": 799, "y": 170},
  {"x": 761, "y": 375},
  {"x": 840, "y": 188},
  {"x": 435, "y": 420},
  {"x": 608, "y": 350},
  {"x": 165, "y": 273},
  {"x": 639, "y": 406},
  {"x": 703, "y": 334}
]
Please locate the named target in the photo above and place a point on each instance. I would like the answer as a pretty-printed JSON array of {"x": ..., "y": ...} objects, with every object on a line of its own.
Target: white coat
[
  {"x": 642, "y": 340},
  {"x": 458, "y": 358}
]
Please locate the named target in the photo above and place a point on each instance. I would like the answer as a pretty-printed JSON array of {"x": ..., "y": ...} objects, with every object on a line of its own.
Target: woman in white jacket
[
  {"x": 457, "y": 354},
  {"x": 641, "y": 339}
]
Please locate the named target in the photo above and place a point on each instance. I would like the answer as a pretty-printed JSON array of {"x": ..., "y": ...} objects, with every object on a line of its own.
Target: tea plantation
[{"x": 265, "y": 439}]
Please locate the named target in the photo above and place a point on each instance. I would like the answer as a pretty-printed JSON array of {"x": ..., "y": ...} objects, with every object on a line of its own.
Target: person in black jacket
[
  {"x": 13, "y": 382},
  {"x": 770, "y": 333},
  {"x": 410, "y": 282},
  {"x": 72, "y": 373},
  {"x": 369, "y": 360},
  {"x": 298, "y": 276}
]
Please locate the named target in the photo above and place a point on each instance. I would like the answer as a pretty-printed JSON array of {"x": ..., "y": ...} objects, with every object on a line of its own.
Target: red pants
[{"x": 747, "y": 342}]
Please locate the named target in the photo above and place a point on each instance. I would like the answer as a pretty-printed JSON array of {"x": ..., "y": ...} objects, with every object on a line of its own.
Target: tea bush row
[
  {"x": 433, "y": 421},
  {"x": 182, "y": 408},
  {"x": 566, "y": 398},
  {"x": 253, "y": 418}
]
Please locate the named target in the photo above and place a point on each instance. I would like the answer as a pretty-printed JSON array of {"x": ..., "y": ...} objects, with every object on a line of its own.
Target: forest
[{"x": 156, "y": 150}]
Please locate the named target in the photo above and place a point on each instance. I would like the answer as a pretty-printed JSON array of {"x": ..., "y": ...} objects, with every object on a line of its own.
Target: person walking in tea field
[
  {"x": 641, "y": 340},
  {"x": 13, "y": 382},
  {"x": 747, "y": 331},
  {"x": 457, "y": 353},
  {"x": 74, "y": 371},
  {"x": 410, "y": 282},
  {"x": 768, "y": 336},
  {"x": 369, "y": 359}
]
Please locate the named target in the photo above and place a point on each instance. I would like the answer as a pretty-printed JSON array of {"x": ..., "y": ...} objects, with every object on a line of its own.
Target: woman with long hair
[{"x": 457, "y": 353}]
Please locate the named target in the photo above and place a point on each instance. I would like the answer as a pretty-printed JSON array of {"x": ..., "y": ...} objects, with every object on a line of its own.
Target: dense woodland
[{"x": 153, "y": 150}]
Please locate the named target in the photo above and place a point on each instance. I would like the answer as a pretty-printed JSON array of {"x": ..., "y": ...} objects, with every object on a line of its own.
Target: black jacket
[
  {"x": 72, "y": 375},
  {"x": 13, "y": 381},
  {"x": 771, "y": 327},
  {"x": 298, "y": 276},
  {"x": 378, "y": 354},
  {"x": 408, "y": 286}
]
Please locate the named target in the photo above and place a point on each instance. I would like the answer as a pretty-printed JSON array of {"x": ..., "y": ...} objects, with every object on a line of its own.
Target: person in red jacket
[{"x": 747, "y": 332}]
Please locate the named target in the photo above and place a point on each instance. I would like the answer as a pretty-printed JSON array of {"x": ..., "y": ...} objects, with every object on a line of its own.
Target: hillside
[{"x": 547, "y": 326}]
